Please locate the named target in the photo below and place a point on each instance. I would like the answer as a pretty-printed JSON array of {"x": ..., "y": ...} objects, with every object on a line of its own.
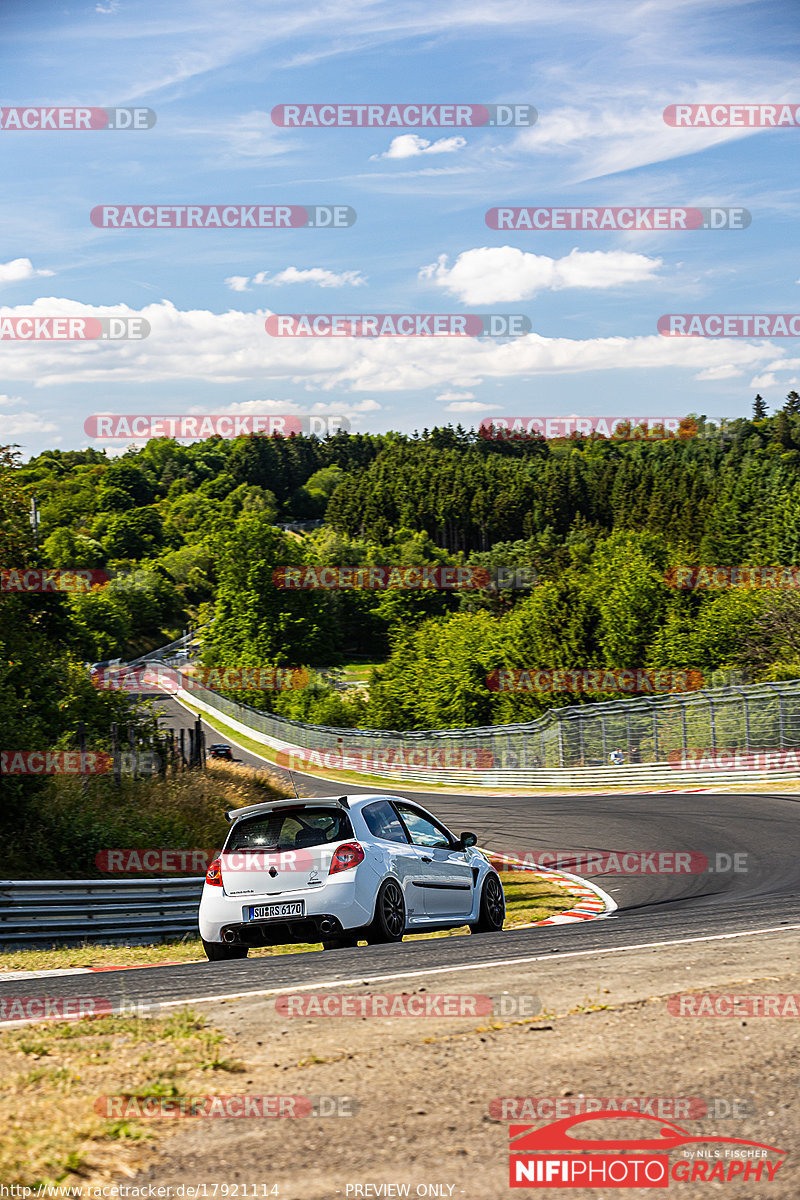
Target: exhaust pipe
[
  {"x": 326, "y": 926},
  {"x": 229, "y": 936}
]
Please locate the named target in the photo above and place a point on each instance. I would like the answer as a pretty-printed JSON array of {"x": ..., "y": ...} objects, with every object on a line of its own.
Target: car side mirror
[{"x": 466, "y": 840}]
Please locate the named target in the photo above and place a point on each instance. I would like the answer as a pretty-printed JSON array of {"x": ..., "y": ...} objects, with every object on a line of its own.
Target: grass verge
[{"x": 54, "y": 1073}]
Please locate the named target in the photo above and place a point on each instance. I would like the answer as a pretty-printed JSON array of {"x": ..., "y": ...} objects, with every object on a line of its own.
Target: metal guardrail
[{"x": 70, "y": 911}]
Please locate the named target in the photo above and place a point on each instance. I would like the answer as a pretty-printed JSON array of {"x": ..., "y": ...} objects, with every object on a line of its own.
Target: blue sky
[{"x": 599, "y": 76}]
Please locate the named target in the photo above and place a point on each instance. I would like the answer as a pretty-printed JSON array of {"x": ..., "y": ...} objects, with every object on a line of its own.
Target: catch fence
[{"x": 738, "y": 729}]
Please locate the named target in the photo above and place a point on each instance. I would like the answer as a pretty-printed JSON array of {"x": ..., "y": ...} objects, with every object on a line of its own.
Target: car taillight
[
  {"x": 346, "y": 856},
  {"x": 214, "y": 873}
]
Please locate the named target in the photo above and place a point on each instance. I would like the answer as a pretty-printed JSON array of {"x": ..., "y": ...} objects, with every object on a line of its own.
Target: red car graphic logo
[{"x": 527, "y": 1139}]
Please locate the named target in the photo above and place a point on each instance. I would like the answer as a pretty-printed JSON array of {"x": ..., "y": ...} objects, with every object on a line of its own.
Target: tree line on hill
[{"x": 190, "y": 533}]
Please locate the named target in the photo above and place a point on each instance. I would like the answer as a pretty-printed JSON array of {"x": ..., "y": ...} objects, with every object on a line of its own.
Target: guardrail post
[
  {"x": 683, "y": 724},
  {"x": 781, "y": 718},
  {"x": 655, "y": 733},
  {"x": 712, "y": 718}
]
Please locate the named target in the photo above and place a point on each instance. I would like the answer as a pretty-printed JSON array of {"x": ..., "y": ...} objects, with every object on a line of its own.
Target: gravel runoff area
[{"x": 425, "y": 1085}]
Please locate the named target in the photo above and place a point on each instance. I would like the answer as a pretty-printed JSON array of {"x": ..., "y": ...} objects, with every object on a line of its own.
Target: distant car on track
[
  {"x": 220, "y": 750},
  {"x": 340, "y": 870}
]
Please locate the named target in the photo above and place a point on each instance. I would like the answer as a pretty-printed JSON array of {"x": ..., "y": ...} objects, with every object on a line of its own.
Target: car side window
[
  {"x": 382, "y": 822},
  {"x": 424, "y": 832}
]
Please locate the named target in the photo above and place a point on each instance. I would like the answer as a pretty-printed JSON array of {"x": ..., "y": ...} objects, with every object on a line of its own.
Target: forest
[{"x": 193, "y": 535}]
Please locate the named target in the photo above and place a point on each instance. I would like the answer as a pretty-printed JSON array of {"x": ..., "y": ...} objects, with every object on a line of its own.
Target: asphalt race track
[{"x": 653, "y": 909}]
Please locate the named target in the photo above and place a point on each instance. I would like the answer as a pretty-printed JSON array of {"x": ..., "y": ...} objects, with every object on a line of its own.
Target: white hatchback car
[{"x": 343, "y": 870}]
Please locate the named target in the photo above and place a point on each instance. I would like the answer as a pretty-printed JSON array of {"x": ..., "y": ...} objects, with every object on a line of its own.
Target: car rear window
[
  {"x": 290, "y": 829},
  {"x": 382, "y": 822}
]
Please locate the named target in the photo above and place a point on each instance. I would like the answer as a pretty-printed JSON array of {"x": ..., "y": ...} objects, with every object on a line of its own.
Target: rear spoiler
[{"x": 271, "y": 805}]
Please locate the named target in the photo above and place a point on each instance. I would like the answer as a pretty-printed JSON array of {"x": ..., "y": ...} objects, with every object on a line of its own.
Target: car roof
[{"x": 347, "y": 802}]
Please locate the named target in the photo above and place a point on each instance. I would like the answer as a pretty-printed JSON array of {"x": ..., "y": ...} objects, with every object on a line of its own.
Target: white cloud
[
  {"x": 618, "y": 132},
  {"x": 313, "y": 275},
  {"x": 763, "y": 381},
  {"x": 15, "y": 424},
  {"x": 319, "y": 275},
  {"x": 470, "y": 406},
  {"x": 233, "y": 347},
  {"x": 6, "y": 400},
  {"x": 456, "y": 396},
  {"x": 292, "y": 407},
  {"x": 490, "y": 275},
  {"x": 409, "y": 145},
  {"x": 723, "y": 371},
  {"x": 784, "y": 364},
  {"x": 19, "y": 269}
]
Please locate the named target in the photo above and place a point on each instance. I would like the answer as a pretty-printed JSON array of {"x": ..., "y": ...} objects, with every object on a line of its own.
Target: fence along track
[{"x": 567, "y": 747}]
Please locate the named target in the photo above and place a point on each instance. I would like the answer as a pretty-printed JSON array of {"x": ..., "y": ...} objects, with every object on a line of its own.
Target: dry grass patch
[
  {"x": 66, "y": 828},
  {"x": 54, "y": 1073}
]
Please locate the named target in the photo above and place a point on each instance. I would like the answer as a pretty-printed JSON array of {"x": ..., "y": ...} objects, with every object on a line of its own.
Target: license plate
[{"x": 277, "y": 912}]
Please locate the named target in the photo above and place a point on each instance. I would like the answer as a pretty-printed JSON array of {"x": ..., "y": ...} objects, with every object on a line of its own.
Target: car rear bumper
[
  {"x": 279, "y": 933},
  {"x": 346, "y": 904}
]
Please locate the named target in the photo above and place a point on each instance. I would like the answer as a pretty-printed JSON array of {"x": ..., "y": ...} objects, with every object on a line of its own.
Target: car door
[
  {"x": 445, "y": 879},
  {"x": 405, "y": 859}
]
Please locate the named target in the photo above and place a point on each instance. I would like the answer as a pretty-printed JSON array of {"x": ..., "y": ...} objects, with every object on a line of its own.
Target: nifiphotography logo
[{"x": 643, "y": 1162}]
